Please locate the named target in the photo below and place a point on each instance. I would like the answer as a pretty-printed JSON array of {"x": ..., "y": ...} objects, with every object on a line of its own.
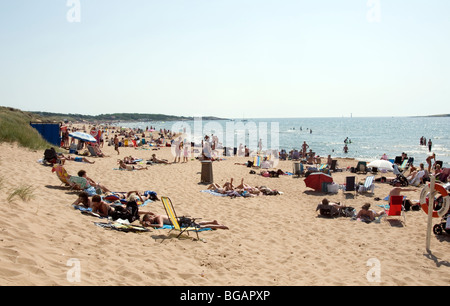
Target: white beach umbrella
[
  {"x": 83, "y": 136},
  {"x": 381, "y": 164}
]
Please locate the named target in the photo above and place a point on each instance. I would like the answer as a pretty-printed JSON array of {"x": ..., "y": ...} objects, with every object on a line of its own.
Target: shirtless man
[
  {"x": 100, "y": 207},
  {"x": 397, "y": 190},
  {"x": 116, "y": 144},
  {"x": 76, "y": 158}
]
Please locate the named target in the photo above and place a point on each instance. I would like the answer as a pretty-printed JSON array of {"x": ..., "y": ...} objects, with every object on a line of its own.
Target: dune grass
[
  {"x": 15, "y": 127},
  {"x": 24, "y": 192}
]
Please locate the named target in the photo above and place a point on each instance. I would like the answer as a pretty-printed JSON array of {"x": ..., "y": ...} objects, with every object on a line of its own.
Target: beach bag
[
  {"x": 333, "y": 188},
  {"x": 347, "y": 212},
  {"x": 50, "y": 156},
  {"x": 133, "y": 210},
  {"x": 326, "y": 212},
  {"x": 130, "y": 212},
  {"x": 186, "y": 222}
]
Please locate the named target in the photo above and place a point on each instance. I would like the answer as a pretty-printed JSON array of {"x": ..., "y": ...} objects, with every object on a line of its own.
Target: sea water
[{"x": 368, "y": 138}]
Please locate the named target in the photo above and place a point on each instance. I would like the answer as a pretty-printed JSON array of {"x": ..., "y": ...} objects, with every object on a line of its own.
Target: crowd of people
[
  {"x": 241, "y": 190},
  {"x": 181, "y": 150},
  {"x": 99, "y": 199}
]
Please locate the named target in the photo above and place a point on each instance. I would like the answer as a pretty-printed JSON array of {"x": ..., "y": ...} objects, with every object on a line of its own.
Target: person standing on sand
[
  {"x": 304, "y": 149},
  {"x": 429, "y": 158},
  {"x": 116, "y": 144}
]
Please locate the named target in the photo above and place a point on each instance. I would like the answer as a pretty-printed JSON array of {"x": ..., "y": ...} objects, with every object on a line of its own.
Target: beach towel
[
  {"x": 212, "y": 192},
  {"x": 123, "y": 227},
  {"x": 166, "y": 226},
  {"x": 81, "y": 208},
  {"x": 87, "y": 211},
  {"x": 129, "y": 168}
]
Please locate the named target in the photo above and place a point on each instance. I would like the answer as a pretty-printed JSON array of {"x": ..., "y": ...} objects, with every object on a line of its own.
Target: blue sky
[{"x": 227, "y": 58}]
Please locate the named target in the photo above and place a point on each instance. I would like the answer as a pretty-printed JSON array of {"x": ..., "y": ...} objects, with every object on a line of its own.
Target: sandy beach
[{"x": 271, "y": 241}]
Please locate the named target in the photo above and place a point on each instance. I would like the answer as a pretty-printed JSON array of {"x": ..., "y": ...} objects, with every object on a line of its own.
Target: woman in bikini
[{"x": 367, "y": 215}]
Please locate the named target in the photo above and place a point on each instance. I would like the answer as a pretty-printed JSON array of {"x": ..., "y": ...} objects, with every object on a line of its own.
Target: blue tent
[{"x": 49, "y": 131}]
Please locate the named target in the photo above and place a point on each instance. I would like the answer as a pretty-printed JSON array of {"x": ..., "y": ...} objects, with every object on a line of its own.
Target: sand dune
[{"x": 273, "y": 240}]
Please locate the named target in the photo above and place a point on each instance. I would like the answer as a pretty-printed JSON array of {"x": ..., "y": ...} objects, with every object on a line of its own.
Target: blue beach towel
[
  {"x": 387, "y": 198},
  {"x": 165, "y": 226},
  {"x": 212, "y": 192}
]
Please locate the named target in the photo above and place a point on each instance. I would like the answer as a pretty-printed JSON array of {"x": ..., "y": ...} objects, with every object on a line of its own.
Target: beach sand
[{"x": 272, "y": 240}]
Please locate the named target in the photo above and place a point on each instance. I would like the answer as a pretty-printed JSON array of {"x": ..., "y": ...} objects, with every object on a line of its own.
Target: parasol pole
[{"x": 430, "y": 209}]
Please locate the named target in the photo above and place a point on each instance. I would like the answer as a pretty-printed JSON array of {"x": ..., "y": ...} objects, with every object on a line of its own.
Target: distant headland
[{"x": 116, "y": 117}]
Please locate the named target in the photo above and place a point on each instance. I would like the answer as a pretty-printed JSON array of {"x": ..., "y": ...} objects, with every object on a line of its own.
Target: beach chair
[
  {"x": 404, "y": 165},
  {"x": 187, "y": 223},
  {"x": 75, "y": 182},
  {"x": 350, "y": 184},
  {"x": 92, "y": 151},
  {"x": 62, "y": 174},
  {"x": 368, "y": 184},
  {"x": 361, "y": 167},
  {"x": 327, "y": 211},
  {"x": 322, "y": 167},
  {"x": 257, "y": 161},
  {"x": 395, "y": 208}
]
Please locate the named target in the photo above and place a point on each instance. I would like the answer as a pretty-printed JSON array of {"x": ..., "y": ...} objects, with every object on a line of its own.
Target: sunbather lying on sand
[
  {"x": 158, "y": 161},
  {"x": 83, "y": 200},
  {"x": 150, "y": 219},
  {"x": 124, "y": 166},
  {"x": 76, "y": 158},
  {"x": 100, "y": 207},
  {"x": 242, "y": 189},
  {"x": 130, "y": 160},
  {"x": 368, "y": 215},
  {"x": 121, "y": 196}
]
